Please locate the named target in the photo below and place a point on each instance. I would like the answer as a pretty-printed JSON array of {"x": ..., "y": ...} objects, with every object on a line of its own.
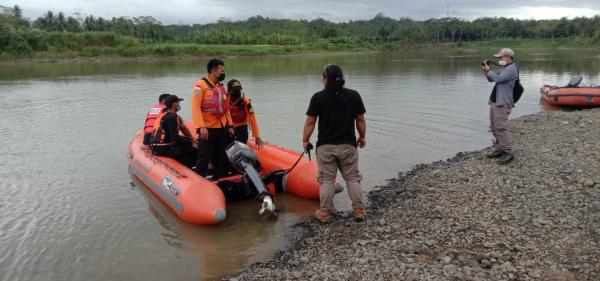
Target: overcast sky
[{"x": 206, "y": 11}]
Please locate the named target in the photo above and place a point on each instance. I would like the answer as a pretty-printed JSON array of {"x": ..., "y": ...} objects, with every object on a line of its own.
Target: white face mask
[{"x": 502, "y": 63}]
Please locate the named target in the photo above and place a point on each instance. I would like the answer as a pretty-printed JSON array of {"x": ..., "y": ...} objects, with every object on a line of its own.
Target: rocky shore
[{"x": 467, "y": 218}]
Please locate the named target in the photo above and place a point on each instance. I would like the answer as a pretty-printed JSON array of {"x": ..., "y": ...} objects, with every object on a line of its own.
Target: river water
[{"x": 69, "y": 210}]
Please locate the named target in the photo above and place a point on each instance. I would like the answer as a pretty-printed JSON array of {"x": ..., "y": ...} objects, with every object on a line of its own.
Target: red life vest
[
  {"x": 238, "y": 111},
  {"x": 152, "y": 116},
  {"x": 159, "y": 144},
  {"x": 218, "y": 104}
]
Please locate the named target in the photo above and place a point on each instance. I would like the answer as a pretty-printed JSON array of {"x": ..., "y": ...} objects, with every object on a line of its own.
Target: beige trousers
[
  {"x": 500, "y": 127},
  {"x": 345, "y": 158}
]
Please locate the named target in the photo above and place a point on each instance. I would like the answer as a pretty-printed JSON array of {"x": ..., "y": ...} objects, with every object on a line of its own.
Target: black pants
[
  {"x": 147, "y": 138},
  {"x": 241, "y": 133},
  {"x": 183, "y": 152},
  {"x": 213, "y": 150}
]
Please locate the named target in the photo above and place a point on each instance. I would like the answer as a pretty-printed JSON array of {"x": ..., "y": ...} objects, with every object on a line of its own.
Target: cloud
[{"x": 206, "y": 11}]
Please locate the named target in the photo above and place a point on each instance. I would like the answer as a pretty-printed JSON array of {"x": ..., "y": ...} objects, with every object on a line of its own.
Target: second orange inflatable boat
[
  {"x": 198, "y": 200},
  {"x": 571, "y": 96}
]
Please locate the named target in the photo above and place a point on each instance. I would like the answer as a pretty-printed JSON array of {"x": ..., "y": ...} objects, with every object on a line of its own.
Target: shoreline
[
  {"x": 169, "y": 52},
  {"x": 466, "y": 218},
  {"x": 229, "y": 51},
  {"x": 155, "y": 58}
]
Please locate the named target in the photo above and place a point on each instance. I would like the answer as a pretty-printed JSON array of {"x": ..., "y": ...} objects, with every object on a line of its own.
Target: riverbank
[
  {"x": 469, "y": 219},
  {"x": 158, "y": 52},
  {"x": 174, "y": 51}
]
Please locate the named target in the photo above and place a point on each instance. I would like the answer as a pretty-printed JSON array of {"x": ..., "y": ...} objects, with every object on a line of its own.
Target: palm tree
[
  {"x": 72, "y": 25},
  {"x": 61, "y": 22},
  {"x": 17, "y": 12}
]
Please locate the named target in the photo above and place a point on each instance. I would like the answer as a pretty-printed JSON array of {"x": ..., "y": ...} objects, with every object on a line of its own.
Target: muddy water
[{"x": 70, "y": 210}]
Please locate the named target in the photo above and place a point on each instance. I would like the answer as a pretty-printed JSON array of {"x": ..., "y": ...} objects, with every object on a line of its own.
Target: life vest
[
  {"x": 238, "y": 110},
  {"x": 159, "y": 143},
  {"x": 218, "y": 104},
  {"x": 151, "y": 117},
  {"x": 159, "y": 134}
]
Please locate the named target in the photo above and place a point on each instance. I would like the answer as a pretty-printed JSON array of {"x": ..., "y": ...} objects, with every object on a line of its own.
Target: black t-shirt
[
  {"x": 170, "y": 124},
  {"x": 337, "y": 115}
]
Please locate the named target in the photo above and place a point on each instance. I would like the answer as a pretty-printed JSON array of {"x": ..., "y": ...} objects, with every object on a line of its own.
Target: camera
[{"x": 485, "y": 62}]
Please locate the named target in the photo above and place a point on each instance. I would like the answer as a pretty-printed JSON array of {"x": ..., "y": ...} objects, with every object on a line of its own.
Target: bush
[
  {"x": 14, "y": 41},
  {"x": 125, "y": 41},
  {"x": 98, "y": 39},
  {"x": 37, "y": 39}
]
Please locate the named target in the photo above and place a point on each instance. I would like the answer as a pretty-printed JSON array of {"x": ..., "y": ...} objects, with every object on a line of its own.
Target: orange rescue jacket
[
  {"x": 210, "y": 105},
  {"x": 151, "y": 117},
  {"x": 242, "y": 113}
]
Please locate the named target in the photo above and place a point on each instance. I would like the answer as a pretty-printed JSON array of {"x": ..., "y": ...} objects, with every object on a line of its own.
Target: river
[{"x": 71, "y": 211}]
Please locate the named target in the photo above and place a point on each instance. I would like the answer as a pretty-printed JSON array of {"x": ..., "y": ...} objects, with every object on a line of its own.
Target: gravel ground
[{"x": 467, "y": 218}]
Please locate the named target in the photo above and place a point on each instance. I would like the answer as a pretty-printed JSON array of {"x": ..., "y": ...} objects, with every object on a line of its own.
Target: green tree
[{"x": 18, "y": 12}]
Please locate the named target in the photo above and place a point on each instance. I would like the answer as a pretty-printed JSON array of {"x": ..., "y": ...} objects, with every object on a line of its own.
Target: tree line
[{"x": 58, "y": 32}]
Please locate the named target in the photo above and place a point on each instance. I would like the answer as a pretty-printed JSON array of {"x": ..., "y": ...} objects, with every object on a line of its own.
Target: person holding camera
[{"x": 501, "y": 103}]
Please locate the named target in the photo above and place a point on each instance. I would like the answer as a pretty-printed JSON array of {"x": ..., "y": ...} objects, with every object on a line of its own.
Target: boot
[
  {"x": 323, "y": 216},
  {"x": 505, "y": 158},
  {"x": 359, "y": 214}
]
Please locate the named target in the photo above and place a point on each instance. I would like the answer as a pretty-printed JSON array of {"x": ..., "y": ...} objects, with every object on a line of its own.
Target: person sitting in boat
[
  {"x": 242, "y": 113},
  {"x": 151, "y": 117},
  {"x": 167, "y": 140}
]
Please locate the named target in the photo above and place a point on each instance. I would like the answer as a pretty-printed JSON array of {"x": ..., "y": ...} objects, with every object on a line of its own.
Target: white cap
[{"x": 505, "y": 52}]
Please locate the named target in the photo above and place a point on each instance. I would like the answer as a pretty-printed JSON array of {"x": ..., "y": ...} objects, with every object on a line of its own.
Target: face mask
[
  {"x": 235, "y": 94},
  {"x": 222, "y": 77},
  {"x": 502, "y": 63}
]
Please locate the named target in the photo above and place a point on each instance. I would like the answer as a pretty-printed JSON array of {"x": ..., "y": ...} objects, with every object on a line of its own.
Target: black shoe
[
  {"x": 505, "y": 158},
  {"x": 494, "y": 154}
]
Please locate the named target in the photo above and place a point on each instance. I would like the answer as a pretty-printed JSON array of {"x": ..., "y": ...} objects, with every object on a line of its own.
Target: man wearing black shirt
[
  {"x": 168, "y": 142},
  {"x": 340, "y": 112}
]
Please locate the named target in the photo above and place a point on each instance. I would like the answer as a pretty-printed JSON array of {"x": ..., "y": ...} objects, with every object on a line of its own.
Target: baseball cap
[
  {"x": 172, "y": 99},
  {"x": 234, "y": 84},
  {"x": 505, "y": 52}
]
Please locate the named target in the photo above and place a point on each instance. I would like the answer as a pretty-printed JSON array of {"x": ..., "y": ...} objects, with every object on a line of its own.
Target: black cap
[
  {"x": 163, "y": 97},
  {"x": 234, "y": 84},
  {"x": 171, "y": 99}
]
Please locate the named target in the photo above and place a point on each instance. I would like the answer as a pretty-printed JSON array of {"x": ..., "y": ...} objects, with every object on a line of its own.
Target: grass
[
  {"x": 129, "y": 50},
  {"x": 176, "y": 49}
]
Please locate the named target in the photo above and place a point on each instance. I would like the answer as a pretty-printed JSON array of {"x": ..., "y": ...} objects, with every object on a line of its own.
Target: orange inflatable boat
[
  {"x": 198, "y": 200},
  {"x": 571, "y": 95}
]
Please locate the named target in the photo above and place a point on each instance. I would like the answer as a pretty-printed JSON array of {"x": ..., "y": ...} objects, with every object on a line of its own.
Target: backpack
[{"x": 518, "y": 89}]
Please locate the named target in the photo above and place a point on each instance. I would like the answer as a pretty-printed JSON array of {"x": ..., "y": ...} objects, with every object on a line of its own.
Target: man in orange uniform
[
  {"x": 210, "y": 112},
  {"x": 242, "y": 112}
]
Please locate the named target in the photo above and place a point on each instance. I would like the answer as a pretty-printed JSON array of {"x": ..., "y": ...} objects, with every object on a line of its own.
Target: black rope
[{"x": 306, "y": 150}]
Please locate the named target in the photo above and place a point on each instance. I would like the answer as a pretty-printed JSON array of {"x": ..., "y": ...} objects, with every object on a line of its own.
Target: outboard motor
[
  {"x": 574, "y": 82},
  {"x": 246, "y": 161}
]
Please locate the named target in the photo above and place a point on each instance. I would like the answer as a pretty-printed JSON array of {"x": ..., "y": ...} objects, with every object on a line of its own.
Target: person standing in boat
[
  {"x": 212, "y": 120},
  {"x": 167, "y": 141},
  {"x": 151, "y": 117},
  {"x": 501, "y": 103},
  {"x": 242, "y": 113},
  {"x": 340, "y": 112}
]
